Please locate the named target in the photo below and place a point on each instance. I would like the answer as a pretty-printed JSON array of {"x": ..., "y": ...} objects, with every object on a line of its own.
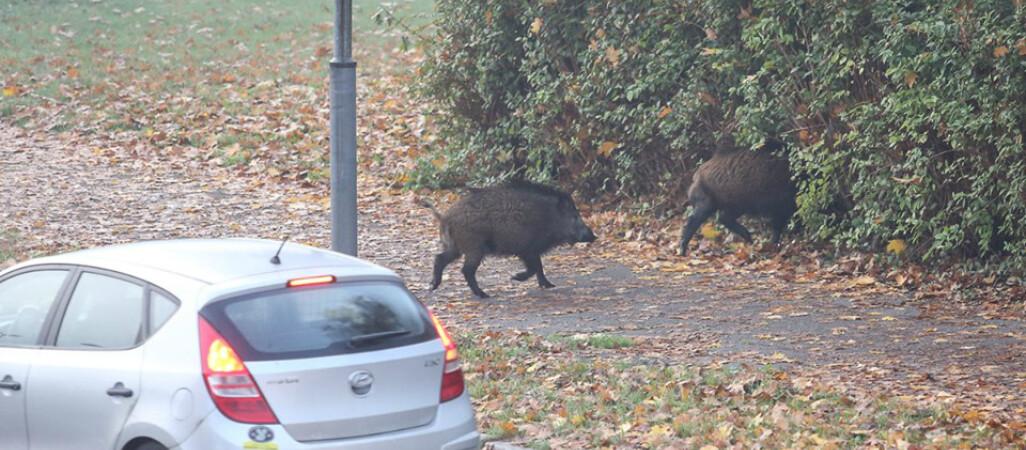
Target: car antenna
[{"x": 275, "y": 259}]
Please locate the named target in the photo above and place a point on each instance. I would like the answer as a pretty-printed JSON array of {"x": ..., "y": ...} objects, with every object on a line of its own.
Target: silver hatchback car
[{"x": 223, "y": 344}]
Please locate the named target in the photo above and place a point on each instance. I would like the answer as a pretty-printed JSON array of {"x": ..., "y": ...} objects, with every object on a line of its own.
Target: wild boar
[
  {"x": 518, "y": 218},
  {"x": 739, "y": 182}
]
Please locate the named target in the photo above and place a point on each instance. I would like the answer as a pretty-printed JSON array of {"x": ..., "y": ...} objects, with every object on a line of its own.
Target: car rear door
[
  {"x": 84, "y": 383},
  {"x": 337, "y": 361},
  {"x": 26, "y": 300}
]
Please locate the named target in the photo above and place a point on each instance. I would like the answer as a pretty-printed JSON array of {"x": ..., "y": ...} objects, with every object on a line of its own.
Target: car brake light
[
  {"x": 452, "y": 374},
  {"x": 229, "y": 382},
  {"x": 311, "y": 281}
]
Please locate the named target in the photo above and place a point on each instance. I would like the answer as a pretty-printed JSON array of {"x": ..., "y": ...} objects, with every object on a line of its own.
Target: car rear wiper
[{"x": 368, "y": 338}]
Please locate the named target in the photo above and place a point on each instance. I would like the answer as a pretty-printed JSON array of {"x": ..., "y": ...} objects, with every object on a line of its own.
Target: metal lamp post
[{"x": 343, "y": 133}]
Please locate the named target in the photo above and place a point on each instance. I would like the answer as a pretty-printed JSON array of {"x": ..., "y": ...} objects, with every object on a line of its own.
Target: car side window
[
  {"x": 161, "y": 309},
  {"x": 104, "y": 312},
  {"x": 25, "y": 300}
]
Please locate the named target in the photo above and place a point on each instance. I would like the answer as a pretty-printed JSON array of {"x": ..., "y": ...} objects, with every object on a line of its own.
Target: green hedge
[{"x": 904, "y": 119}]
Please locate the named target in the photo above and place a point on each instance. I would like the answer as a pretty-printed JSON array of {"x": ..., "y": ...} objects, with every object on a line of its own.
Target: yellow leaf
[
  {"x": 709, "y": 231},
  {"x": 1000, "y": 51},
  {"x": 613, "y": 55},
  {"x": 438, "y": 162},
  {"x": 888, "y": 319},
  {"x": 865, "y": 280},
  {"x": 228, "y": 78},
  {"x": 73, "y": 72},
  {"x": 10, "y": 91},
  {"x": 910, "y": 79},
  {"x": 896, "y": 246},
  {"x": 914, "y": 180},
  {"x": 577, "y": 420},
  {"x": 682, "y": 267},
  {"x": 536, "y": 25},
  {"x": 659, "y": 430},
  {"x": 600, "y": 33},
  {"x": 666, "y": 110},
  {"x": 607, "y": 148}
]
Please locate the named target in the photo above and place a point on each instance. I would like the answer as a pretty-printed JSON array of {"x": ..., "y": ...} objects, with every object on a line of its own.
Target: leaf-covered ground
[{"x": 212, "y": 123}]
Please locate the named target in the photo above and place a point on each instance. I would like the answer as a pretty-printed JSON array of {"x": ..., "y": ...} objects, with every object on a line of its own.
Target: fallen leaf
[
  {"x": 865, "y": 280},
  {"x": 896, "y": 246}
]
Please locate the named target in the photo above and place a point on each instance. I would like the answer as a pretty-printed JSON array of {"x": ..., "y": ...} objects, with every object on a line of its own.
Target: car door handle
[
  {"x": 119, "y": 390},
  {"x": 9, "y": 383}
]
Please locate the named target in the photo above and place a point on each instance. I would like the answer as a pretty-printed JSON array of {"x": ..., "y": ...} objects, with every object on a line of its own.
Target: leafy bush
[{"x": 904, "y": 119}]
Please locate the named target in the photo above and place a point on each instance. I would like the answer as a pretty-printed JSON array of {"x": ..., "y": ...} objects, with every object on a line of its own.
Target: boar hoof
[
  {"x": 545, "y": 284},
  {"x": 522, "y": 276}
]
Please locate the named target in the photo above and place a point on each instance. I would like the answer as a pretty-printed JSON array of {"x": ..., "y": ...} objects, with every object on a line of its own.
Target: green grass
[
  {"x": 601, "y": 340},
  {"x": 238, "y": 79},
  {"x": 526, "y": 386},
  {"x": 51, "y": 46},
  {"x": 8, "y": 239}
]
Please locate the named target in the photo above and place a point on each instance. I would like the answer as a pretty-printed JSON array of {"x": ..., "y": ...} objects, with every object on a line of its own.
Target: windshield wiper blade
[{"x": 367, "y": 338}]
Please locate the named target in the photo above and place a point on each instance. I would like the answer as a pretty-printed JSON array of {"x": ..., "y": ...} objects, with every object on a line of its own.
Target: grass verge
[{"x": 543, "y": 393}]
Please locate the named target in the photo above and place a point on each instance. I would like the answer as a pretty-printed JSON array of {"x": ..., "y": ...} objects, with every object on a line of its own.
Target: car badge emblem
[
  {"x": 361, "y": 382},
  {"x": 261, "y": 434}
]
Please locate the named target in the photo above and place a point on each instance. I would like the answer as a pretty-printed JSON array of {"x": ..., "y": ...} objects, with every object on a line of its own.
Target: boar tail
[{"x": 430, "y": 207}]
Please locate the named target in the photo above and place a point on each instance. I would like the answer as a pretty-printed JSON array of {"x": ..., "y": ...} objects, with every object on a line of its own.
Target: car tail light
[
  {"x": 229, "y": 382},
  {"x": 452, "y": 374}
]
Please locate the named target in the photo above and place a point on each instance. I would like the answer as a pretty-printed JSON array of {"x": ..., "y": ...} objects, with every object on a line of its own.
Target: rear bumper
[{"x": 454, "y": 428}]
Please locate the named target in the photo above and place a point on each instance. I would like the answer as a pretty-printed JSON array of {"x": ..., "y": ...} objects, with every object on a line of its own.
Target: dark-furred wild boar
[
  {"x": 518, "y": 218},
  {"x": 739, "y": 182}
]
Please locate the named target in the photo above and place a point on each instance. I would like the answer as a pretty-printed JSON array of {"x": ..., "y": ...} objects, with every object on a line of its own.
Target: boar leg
[
  {"x": 529, "y": 272},
  {"x": 522, "y": 276},
  {"x": 697, "y": 218},
  {"x": 534, "y": 264},
  {"x": 730, "y": 221},
  {"x": 441, "y": 261},
  {"x": 471, "y": 262},
  {"x": 778, "y": 223}
]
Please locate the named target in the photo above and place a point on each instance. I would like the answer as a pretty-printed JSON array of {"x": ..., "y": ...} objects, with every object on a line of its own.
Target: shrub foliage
[{"x": 903, "y": 119}]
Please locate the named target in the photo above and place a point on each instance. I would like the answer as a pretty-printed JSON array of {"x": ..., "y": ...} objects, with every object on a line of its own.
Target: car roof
[{"x": 217, "y": 260}]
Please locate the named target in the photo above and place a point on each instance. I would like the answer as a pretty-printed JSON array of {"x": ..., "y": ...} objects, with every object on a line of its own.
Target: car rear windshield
[{"x": 317, "y": 321}]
